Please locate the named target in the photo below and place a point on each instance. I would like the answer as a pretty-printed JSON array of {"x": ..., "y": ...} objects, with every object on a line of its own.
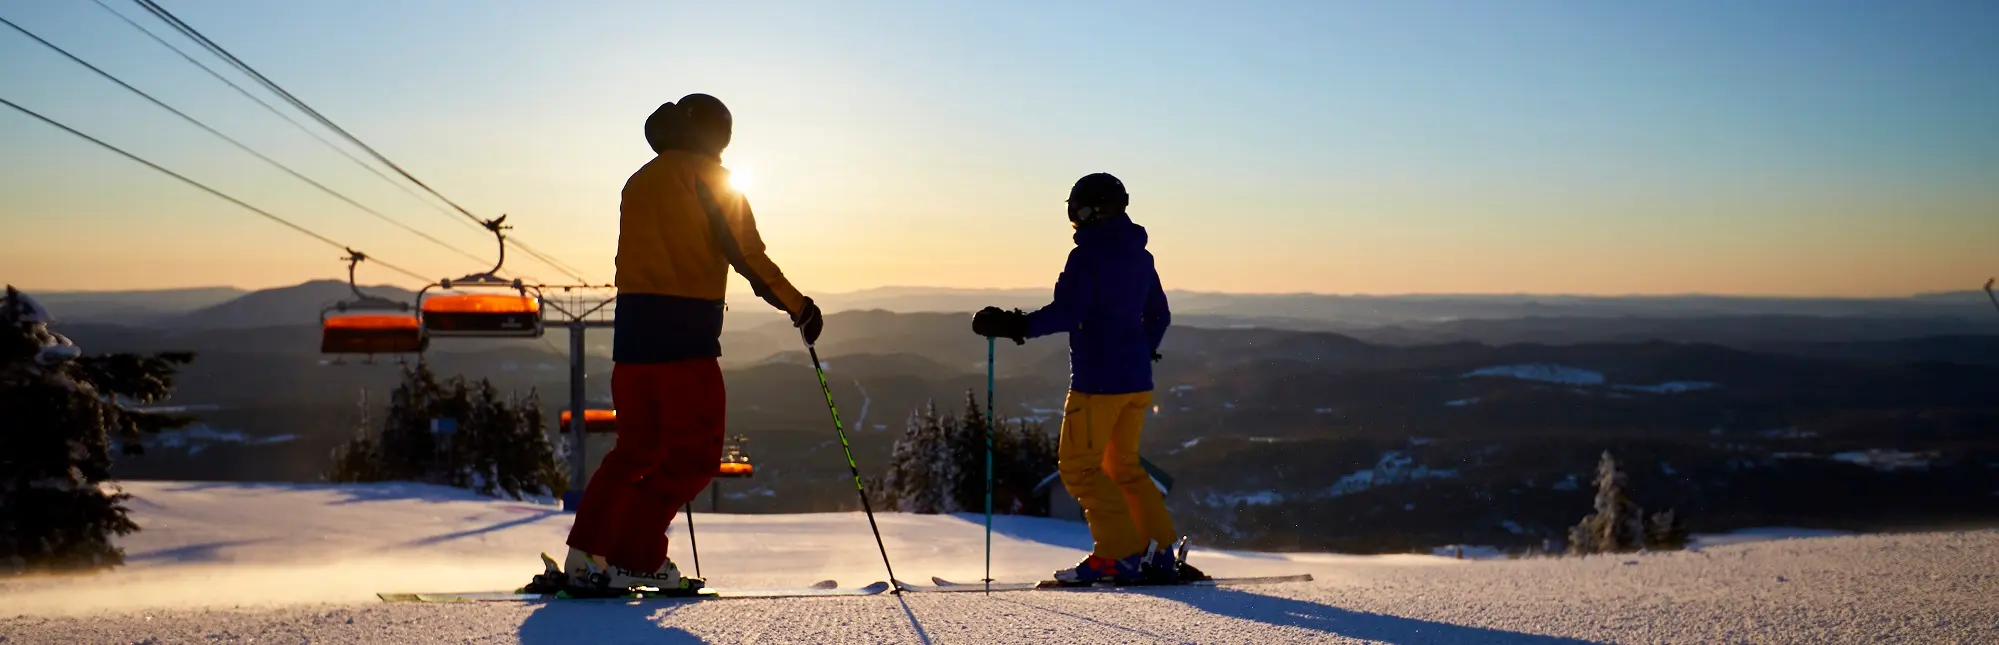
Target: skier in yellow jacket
[{"x": 681, "y": 229}]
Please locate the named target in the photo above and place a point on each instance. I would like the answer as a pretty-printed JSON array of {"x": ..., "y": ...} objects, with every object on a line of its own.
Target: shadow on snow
[
  {"x": 1286, "y": 612},
  {"x": 602, "y": 621}
]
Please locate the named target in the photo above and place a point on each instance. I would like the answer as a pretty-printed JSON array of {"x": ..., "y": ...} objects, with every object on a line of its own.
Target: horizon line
[{"x": 1291, "y": 294}]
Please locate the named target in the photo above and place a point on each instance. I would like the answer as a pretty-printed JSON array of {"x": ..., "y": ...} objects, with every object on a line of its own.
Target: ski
[
  {"x": 822, "y": 588},
  {"x": 946, "y": 586}
]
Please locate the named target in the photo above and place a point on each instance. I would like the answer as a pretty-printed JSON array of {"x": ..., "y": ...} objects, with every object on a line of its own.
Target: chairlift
[
  {"x": 368, "y": 324},
  {"x": 483, "y": 315},
  {"x": 737, "y": 469},
  {"x": 736, "y": 461},
  {"x": 594, "y": 421}
]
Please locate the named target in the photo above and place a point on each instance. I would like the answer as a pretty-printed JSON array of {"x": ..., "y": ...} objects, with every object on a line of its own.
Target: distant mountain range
[{"x": 1412, "y": 318}]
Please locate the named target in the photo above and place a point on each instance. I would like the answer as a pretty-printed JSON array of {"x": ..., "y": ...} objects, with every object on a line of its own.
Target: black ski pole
[
  {"x": 894, "y": 583},
  {"x": 693, "y": 544},
  {"x": 990, "y": 343}
]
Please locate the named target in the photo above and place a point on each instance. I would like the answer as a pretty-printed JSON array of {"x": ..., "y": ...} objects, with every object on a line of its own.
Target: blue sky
[{"x": 1810, "y": 148}]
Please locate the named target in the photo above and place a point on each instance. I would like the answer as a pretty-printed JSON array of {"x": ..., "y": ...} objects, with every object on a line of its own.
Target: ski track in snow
[{"x": 223, "y": 563}]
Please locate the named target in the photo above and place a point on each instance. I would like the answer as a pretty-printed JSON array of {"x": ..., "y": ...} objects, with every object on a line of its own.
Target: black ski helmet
[
  {"x": 711, "y": 121},
  {"x": 697, "y": 123},
  {"x": 1095, "y": 195}
]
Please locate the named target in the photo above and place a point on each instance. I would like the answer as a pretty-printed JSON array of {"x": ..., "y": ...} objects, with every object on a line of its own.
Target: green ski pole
[{"x": 894, "y": 583}]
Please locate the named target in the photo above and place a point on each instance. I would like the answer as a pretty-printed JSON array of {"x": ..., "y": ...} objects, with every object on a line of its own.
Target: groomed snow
[{"x": 235, "y": 563}]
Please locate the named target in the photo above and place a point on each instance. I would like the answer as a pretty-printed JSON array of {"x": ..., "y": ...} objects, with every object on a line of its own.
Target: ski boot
[
  {"x": 589, "y": 576},
  {"x": 551, "y": 580},
  {"x": 1099, "y": 570},
  {"x": 1176, "y": 563}
]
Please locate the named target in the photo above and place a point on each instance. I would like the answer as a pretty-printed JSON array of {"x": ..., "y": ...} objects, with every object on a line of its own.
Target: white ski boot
[{"x": 591, "y": 573}]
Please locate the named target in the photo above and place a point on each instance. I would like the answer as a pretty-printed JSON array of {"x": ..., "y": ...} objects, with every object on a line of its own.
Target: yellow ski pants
[{"x": 1099, "y": 463}]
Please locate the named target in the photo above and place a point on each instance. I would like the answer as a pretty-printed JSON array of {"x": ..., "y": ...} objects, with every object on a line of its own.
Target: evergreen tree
[
  {"x": 1022, "y": 457},
  {"x": 1617, "y": 526},
  {"x": 456, "y": 434},
  {"x": 1665, "y": 532},
  {"x": 939, "y": 464},
  {"x": 913, "y": 484},
  {"x": 59, "y": 509}
]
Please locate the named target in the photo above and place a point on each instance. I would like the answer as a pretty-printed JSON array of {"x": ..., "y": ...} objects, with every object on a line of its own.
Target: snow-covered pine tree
[
  {"x": 493, "y": 445},
  {"x": 946, "y": 472},
  {"x": 60, "y": 410},
  {"x": 360, "y": 459},
  {"x": 910, "y": 486},
  {"x": 1618, "y": 525},
  {"x": 529, "y": 463}
]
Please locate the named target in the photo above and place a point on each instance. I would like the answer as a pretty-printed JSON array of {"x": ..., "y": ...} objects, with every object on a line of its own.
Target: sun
[{"x": 741, "y": 179}]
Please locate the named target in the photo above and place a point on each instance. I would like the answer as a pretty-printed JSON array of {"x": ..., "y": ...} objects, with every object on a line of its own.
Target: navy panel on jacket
[{"x": 655, "y": 328}]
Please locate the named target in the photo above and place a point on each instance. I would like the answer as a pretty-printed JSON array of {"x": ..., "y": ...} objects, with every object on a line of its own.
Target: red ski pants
[{"x": 670, "y": 426}]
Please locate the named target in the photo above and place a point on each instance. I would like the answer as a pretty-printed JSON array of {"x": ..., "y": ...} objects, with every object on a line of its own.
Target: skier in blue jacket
[{"x": 1110, "y": 302}]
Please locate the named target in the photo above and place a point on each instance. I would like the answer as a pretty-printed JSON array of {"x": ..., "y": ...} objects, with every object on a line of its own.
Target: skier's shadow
[
  {"x": 562, "y": 622},
  {"x": 1285, "y": 612}
]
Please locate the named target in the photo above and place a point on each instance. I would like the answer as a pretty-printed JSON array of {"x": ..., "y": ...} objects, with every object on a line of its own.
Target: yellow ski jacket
[{"x": 681, "y": 229}]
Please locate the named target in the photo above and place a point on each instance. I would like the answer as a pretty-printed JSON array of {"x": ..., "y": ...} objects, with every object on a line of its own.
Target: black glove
[
  {"x": 1156, "y": 357},
  {"x": 809, "y": 322},
  {"x": 993, "y": 322}
]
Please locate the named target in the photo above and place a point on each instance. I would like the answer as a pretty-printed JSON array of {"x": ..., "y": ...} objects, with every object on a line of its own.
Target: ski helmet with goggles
[{"x": 1096, "y": 195}]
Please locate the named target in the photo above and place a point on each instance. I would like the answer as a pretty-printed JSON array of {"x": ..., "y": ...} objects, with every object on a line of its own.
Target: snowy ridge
[
  {"x": 1394, "y": 467},
  {"x": 1575, "y": 376},
  {"x": 1544, "y": 372}
]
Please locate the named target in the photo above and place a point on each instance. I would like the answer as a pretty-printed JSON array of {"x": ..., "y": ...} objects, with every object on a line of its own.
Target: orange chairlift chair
[
  {"x": 736, "y": 461},
  {"x": 368, "y": 325},
  {"x": 595, "y": 421},
  {"x": 483, "y": 315}
]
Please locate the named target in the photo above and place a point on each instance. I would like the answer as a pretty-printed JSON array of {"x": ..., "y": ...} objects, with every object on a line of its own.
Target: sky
[{"x": 1811, "y": 148}]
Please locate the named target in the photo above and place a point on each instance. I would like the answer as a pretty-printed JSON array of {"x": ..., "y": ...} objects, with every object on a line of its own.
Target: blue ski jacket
[{"x": 1109, "y": 300}]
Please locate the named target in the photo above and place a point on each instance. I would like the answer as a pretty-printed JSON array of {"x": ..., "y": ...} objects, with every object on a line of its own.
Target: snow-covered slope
[{"x": 289, "y": 563}]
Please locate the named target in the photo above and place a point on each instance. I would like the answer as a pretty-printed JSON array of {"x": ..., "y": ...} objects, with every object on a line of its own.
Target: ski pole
[
  {"x": 693, "y": 544},
  {"x": 990, "y": 343},
  {"x": 1989, "y": 294},
  {"x": 894, "y": 582}
]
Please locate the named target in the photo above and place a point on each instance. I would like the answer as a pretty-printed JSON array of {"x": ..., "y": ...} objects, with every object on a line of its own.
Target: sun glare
[{"x": 740, "y": 179}]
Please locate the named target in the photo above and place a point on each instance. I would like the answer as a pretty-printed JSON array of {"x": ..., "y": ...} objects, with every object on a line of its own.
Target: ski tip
[
  {"x": 941, "y": 582},
  {"x": 879, "y": 587},
  {"x": 825, "y": 584}
]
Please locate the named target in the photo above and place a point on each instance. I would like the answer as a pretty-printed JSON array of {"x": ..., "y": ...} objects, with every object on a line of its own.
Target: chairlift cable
[
  {"x": 196, "y": 184},
  {"x": 218, "y": 50},
  {"x": 280, "y": 114},
  {"x": 232, "y": 141}
]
